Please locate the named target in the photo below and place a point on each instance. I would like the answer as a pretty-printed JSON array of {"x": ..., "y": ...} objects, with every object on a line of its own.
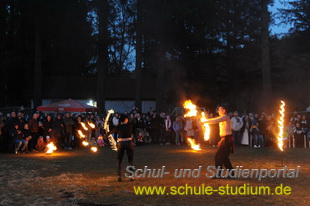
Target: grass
[{"x": 81, "y": 177}]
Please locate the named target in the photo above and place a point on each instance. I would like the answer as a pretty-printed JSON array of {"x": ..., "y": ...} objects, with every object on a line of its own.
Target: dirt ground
[{"x": 80, "y": 177}]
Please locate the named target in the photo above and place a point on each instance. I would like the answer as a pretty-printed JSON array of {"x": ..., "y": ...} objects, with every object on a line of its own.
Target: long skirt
[{"x": 245, "y": 137}]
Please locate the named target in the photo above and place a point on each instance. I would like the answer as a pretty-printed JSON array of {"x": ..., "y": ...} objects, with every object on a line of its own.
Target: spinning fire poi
[
  {"x": 225, "y": 146},
  {"x": 281, "y": 126},
  {"x": 106, "y": 128},
  {"x": 93, "y": 147},
  {"x": 193, "y": 112}
]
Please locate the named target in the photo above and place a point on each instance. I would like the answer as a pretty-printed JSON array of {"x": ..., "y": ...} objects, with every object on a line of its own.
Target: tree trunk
[
  {"x": 103, "y": 58},
  {"x": 266, "y": 74},
  {"x": 3, "y": 53},
  {"x": 37, "y": 67},
  {"x": 138, "y": 71},
  {"x": 160, "y": 88}
]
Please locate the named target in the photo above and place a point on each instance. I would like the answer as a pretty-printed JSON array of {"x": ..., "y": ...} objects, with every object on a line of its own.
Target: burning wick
[
  {"x": 193, "y": 144},
  {"x": 281, "y": 126},
  {"x": 50, "y": 148},
  {"x": 92, "y": 125},
  {"x": 94, "y": 149},
  {"x": 84, "y": 126},
  {"x": 85, "y": 143},
  {"x": 81, "y": 134}
]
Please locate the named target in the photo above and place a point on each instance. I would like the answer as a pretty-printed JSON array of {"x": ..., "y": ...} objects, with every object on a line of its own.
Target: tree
[
  {"x": 138, "y": 71},
  {"x": 266, "y": 74},
  {"x": 297, "y": 14},
  {"x": 103, "y": 45}
]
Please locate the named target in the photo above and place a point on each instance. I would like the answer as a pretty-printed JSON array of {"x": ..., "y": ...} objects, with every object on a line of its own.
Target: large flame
[
  {"x": 192, "y": 109},
  {"x": 281, "y": 126},
  {"x": 206, "y": 127},
  {"x": 84, "y": 126},
  {"x": 81, "y": 134},
  {"x": 193, "y": 144},
  {"x": 51, "y": 148},
  {"x": 94, "y": 149},
  {"x": 92, "y": 125}
]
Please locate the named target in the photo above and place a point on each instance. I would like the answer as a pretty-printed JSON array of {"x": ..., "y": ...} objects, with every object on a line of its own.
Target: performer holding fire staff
[
  {"x": 225, "y": 146},
  {"x": 124, "y": 134}
]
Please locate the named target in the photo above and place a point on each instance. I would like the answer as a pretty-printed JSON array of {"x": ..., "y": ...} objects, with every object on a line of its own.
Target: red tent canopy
[{"x": 68, "y": 106}]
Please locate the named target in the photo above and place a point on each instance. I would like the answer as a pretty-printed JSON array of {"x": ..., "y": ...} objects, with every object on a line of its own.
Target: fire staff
[
  {"x": 124, "y": 134},
  {"x": 225, "y": 146}
]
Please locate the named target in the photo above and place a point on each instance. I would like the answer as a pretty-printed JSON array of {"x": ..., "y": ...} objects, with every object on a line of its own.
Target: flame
[
  {"x": 281, "y": 126},
  {"x": 193, "y": 144},
  {"x": 206, "y": 127},
  {"x": 111, "y": 111},
  {"x": 92, "y": 125},
  {"x": 94, "y": 149},
  {"x": 51, "y": 148},
  {"x": 192, "y": 109},
  {"x": 193, "y": 112},
  {"x": 81, "y": 134},
  {"x": 85, "y": 143},
  {"x": 84, "y": 126}
]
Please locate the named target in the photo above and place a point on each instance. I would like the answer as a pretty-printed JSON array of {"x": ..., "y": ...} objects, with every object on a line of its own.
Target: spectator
[
  {"x": 19, "y": 141},
  {"x": 58, "y": 132},
  {"x": 40, "y": 144},
  {"x": 34, "y": 128},
  {"x": 178, "y": 127},
  {"x": 255, "y": 133},
  {"x": 162, "y": 118},
  {"x": 298, "y": 135},
  {"x": 47, "y": 127},
  {"x": 139, "y": 124},
  {"x": 245, "y": 130},
  {"x": 68, "y": 123},
  {"x": 190, "y": 131},
  {"x": 304, "y": 124},
  {"x": 290, "y": 130},
  {"x": 155, "y": 127},
  {"x": 26, "y": 133},
  {"x": 99, "y": 125},
  {"x": 294, "y": 118},
  {"x": 168, "y": 130},
  {"x": 270, "y": 131},
  {"x": 262, "y": 127},
  {"x": 237, "y": 124}
]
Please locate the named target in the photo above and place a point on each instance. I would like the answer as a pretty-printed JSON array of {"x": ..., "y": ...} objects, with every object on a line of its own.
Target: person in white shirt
[
  {"x": 168, "y": 130},
  {"x": 225, "y": 146},
  {"x": 236, "y": 125},
  {"x": 115, "y": 122}
]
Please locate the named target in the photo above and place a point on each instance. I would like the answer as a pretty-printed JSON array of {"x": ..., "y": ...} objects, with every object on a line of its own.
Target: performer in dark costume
[
  {"x": 124, "y": 131},
  {"x": 225, "y": 146}
]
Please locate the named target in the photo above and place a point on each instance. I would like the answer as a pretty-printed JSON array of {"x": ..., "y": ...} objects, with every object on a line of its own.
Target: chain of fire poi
[
  {"x": 193, "y": 112},
  {"x": 281, "y": 126}
]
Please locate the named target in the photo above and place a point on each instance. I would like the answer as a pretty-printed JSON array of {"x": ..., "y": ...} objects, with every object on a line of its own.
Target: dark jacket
[{"x": 34, "y": 125}]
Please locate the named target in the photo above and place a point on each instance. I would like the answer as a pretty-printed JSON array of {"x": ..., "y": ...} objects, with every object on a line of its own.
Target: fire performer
[
  {"x": 124, "y": 134},
  {"x": 225, "y": 146}
]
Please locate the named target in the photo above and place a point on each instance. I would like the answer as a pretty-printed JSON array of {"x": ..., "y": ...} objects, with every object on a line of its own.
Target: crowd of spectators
[{"x": 22, "y": 133}]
